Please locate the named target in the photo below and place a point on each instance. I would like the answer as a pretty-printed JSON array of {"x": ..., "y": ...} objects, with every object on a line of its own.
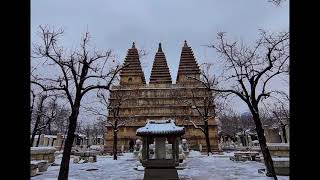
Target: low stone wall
[
  {"x": 43, "y": 153},
  {"x": 278, "y": 149},
  {"x": 281, "y": 166}
]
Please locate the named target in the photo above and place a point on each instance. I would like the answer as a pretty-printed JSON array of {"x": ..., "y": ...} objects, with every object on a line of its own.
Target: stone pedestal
[{"x": 160, "y": 174}]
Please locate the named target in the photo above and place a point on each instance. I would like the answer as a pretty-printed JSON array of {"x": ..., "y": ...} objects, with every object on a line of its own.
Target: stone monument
[{"x": 185, "y": 147}]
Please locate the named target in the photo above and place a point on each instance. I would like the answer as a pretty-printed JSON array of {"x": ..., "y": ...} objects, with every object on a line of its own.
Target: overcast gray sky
[{"x": 116, "y": 24}]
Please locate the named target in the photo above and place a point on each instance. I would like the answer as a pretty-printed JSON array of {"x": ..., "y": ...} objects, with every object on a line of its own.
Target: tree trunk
[
  {"x": 49, "y": 129},
  {"x": 207, "y": 137},
  {"x": 38, "y": 140},
  {"x": 245, "y": 138},
  {"x": 64, "y": 167},
  {"x": 39, "y": 114},
  {"x": 115, "y": 143},
  {"x": 284, "y": 133},
  {"x": 264, "y": 148},
  {"x": 34, "y": 132}
]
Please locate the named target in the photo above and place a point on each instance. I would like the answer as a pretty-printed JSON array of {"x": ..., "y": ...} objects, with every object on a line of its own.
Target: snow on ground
[
  {"x": 43, "y": 148},
  {"x": 198, "y": 167},
  {"x": 278, "y": 144}
]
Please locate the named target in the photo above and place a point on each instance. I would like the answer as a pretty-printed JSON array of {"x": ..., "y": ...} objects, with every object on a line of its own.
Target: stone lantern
[{"x": 162, "y": 165}]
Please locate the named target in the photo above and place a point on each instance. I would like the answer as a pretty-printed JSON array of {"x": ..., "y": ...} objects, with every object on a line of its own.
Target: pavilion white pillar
[{"x": 160, "y": 147}]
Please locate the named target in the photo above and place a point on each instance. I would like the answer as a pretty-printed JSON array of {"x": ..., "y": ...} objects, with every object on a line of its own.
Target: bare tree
[
  {"x": 79, "y": 72},
  {"x": 230, "y": 122},
  {"x": 33, "y": 97},
  {"x": 60, "y": 125},
  {"x": 98, "y": 129},
  {"x": 50, "y": 114},
  {"x": 278, "y": 113},
  {"x": 248, "y": 72},
  {"x": 38, "y": 116},
  {"x": 113, "y": 118},
  {"x": 205, "y": 107}
]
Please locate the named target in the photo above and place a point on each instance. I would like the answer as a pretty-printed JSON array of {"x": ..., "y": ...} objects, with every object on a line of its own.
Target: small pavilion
[{"x": 162, "y": 166}]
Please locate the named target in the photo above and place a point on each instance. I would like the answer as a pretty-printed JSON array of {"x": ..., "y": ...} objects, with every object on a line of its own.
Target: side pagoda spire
[
  {"x": 132, "y": 72},
  {"x": 188, "y": 66},
  {"x": 160, "y": 73}
]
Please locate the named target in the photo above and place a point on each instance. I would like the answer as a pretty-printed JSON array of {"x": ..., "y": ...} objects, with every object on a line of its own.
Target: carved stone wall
[{"x": 153, "y": 101}]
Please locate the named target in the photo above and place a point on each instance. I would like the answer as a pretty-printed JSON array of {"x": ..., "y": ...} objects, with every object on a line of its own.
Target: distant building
[{"x": 160, "y": 99}]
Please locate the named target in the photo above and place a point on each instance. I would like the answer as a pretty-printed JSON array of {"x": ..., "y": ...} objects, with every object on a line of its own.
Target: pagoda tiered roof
[
  {"x": 160, "y": 73},
  {"x": 188, "y": 64},
  {"x": 132, "y": 64}
]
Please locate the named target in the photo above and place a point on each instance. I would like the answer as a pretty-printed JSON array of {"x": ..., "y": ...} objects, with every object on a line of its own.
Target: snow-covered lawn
[{"x": 198, "y": 167}]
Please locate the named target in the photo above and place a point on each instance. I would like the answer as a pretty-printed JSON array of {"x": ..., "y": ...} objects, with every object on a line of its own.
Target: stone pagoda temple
[{"x": 159, "y": 99}]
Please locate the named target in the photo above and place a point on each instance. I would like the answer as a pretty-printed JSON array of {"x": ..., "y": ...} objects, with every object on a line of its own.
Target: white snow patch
[
  {"x": 193, "y": 153},
  {"x": 280, "y": 158},
  {"x": 43, "y": 148},
  {"x": 198, "y": 167},
  {"x": 278, "y": 144}
]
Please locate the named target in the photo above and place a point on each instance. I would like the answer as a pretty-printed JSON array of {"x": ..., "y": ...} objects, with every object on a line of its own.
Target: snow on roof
[{"x": 160, "y": 127}]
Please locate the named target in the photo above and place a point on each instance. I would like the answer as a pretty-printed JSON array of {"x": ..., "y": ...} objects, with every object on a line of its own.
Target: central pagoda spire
[
  {"x": 159, "y": 48},
  {"x": 160, "y": 73}
]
